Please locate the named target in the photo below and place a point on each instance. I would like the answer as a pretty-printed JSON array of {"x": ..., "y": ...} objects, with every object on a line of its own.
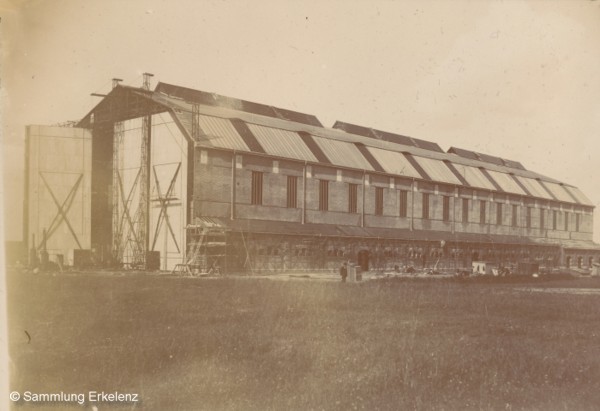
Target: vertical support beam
[
  {"x": 453, "y": 214},
  {"x": 143, "y": 220},
  {"x": 165, "y": 245},
  {"x": 362, "y": 208},
  {"x": 190, "y": 170},
  {"x": 116, "y": 234},
  {"x": 412, "y": 205},
  {"x": 189, "y": 215},
  {"x": 148, "y": 165},
  {"x": 233, "y": 172},
  {"x": 520, "y": 213},
  {"x": 304, "y": 194},
  {"x": 145, "y": 164},
  {"x": 101, "y": 213},
  {"x": 195, "y": 121}
]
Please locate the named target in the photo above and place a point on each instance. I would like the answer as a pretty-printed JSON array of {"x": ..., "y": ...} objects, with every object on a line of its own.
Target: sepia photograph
[{"x": 300, "y": 205}]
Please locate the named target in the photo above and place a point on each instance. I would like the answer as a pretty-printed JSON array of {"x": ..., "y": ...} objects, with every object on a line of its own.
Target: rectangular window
[
  {"x": 292, "y": 192},
  {"x": 446, "y": 208},
  {"x": 352, "y": 198},
  {"x": 542, "y": 212},
  {"x": 465, "y": 210},
  {"x": 528, "y": 218},
  {"x": 257, "y": 188},
  {"x": 425, "y": 206},
  {"x": 482, "y": 212},
  {"x": 403, "y": 203},
  {"x": 499, "y": 213},
  {"x": 378, "y": 200},
  {"x": 554, "y": 218},
  {"x": 323, "y": 195},
  {"x": 577, "y": 221},
  {"x": 515, "y": 210},
  {"x": 567, "y": 216}
]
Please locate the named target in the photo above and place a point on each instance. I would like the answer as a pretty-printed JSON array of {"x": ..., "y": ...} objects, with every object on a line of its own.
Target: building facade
[{"x": 236, "y": 186}]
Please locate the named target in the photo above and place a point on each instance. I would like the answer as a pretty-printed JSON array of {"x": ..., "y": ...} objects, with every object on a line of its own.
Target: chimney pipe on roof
[
  {"x": 146, "y": 85},
  {"x": 116, "y": 81}
]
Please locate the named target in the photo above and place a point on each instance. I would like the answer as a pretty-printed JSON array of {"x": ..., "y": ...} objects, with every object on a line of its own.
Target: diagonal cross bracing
[
  {"x": 61, "y": 211},
  {"x": 163, "y": 215}
]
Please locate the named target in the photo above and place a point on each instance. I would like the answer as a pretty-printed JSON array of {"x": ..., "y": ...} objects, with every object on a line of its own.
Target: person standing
[{"x": 344, "y": 272}]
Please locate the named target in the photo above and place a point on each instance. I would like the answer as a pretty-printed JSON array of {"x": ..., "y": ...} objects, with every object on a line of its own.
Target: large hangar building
[{"x": 181, "y": 176}]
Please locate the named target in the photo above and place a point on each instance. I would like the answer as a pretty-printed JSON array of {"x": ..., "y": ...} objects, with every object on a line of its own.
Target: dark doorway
[
  {"x": 363, "y": 260},
  {"x": 568, "y": 262}
]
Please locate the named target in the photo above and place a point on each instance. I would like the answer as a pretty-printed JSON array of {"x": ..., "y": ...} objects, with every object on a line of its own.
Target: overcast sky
[{"x": 515, "y": 79}]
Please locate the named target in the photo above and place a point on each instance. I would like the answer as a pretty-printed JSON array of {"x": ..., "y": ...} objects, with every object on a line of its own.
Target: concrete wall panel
[{"x": 59, "y": 175}]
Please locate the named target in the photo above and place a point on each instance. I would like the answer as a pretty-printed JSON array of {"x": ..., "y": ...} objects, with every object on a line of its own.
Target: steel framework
[{"x": 131, "y": 234}]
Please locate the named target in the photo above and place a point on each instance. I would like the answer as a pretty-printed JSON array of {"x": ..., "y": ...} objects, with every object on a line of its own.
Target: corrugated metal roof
[
  {"x": 427, "y": 145},
  {"x": 463, "y": 153},
  {"x": 353, "y": 129},
  {"x": 212, "y": 99},
  {"x": 185, "y": 119},
  {"x": 394, "y": 162},
  {"x": 219, "y": 132},
  {"x": 331, "y": 230},
  {"x": 342, "y": 153},
  {"x": 313, "y": 147},
  {"x": 394, "y": 138},
  {"x": 506, "y": 182},
  {"x": 297, "y": 117},
  {"x": 513, "y": 164},
  {"x": 534, "y": 187},
  {"x": 247, "y": 135},
  {"x": 474, "y": 176},
  {"x": 491, "y": 159},
  {"x": 579, "y": 245},
  {"x": 281, "y": 143},
  {"x": 437, "y": 170},
  {"x": 491, "y": 179},
  {"x": 581, "y": 198},
  {"x": 456, "y": 173},
  {"x": 485, "y": 157},
  {"x": 559, "y": 192},
  {"x": 387, "y": 136},
  {"x": 221, "y": 135},
  {"x": 372, "y": 160}
]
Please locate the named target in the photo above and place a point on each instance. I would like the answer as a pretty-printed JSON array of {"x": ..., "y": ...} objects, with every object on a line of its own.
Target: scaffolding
[
  {"x": 127, "y": 239},
  {"x": 206, "y": 250},
  {"x": 117, "y": 164},
  {"x": 130, "y": 234},
  {"x": 117, "y": 222}
]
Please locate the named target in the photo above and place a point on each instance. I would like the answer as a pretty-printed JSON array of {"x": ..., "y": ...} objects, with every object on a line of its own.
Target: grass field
[{"x": 248, "y": 344}]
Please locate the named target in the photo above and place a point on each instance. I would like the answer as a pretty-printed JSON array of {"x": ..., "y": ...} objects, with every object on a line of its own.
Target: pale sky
[{"x": 515, "y": 79}]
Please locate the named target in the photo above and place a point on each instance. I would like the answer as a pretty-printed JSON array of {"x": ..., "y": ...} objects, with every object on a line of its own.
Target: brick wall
[{"x": 213, "y": 198}]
